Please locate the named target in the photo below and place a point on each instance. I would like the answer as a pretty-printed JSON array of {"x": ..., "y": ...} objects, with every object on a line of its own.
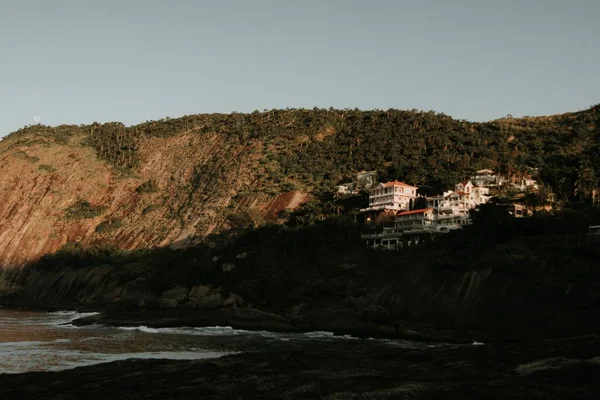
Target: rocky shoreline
[
  {"x": 517, "y": 291},
  {"x": 551, "y": 369}
]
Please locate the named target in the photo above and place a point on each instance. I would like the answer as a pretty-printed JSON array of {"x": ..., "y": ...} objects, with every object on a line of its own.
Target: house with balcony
[
  {"x": 520, "y": 181},
  {"x": 455, "y": 205},
  {"x": 419, "y": 220},
  {"x": 485, "y": 177},
  {"x": 391, "y": 196},
  {"x": 414, "y": 227}
]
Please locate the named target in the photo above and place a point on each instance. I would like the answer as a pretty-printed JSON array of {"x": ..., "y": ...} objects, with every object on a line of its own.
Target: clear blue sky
[{"x": 79, "y": 61}]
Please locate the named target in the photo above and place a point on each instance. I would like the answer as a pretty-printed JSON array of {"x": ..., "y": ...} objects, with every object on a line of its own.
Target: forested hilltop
[
  {"x": 174, "y": 180},
  {"x": 320, "y": 147}
]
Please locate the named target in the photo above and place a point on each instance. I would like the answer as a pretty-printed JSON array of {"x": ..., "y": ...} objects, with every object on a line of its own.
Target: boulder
[
  {"x": 228, "y": 267},
  {"x": 210, "y": 302},
  {"x": 296, "y": 312},
  {"x": 200, "y": 291},
  {"x": 233, "y": 301},
  {"x": 146, "y": 302},
  {"x": 230, "y": 302},
  {"x": 167, "y": 303},
  {"x": 178, "y": 294},
  {"x": 111, "y": 298},
  {"x": 238, "y": 299},
  {"x": 376, "y": 314}
]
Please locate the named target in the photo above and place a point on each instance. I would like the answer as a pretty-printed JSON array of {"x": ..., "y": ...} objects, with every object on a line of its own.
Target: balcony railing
[
  {"x": 399, "y": 232},
  {"x": 413, "y": 218}
]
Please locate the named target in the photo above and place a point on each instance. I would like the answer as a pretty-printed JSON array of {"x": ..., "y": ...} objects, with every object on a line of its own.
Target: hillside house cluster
[
  {"x": 520, "y": 182},
  {"x": 436, "y": 214},
  {"x": 443, "y": 213}
]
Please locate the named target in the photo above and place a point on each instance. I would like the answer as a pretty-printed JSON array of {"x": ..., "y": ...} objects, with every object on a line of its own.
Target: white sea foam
[
  {"x": 141, "y": 328},
  {"x": 20, "y": 360},
  {"x": 204, "y": 331},
  {"x": 229, "y": 331},
  {"x": 64, "y": 318}
]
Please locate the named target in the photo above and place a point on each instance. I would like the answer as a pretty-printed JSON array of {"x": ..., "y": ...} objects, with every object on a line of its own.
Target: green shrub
[
  {"x": 46, "y": 167},
  {"x": 61, "y": 136},
  {"x": 82, "y": 209},
  {"x": 147, "y": 187},
  {"x": 149, "y": 209},
  {"x": 27, "y": 157},
  {"x": 109, "y": 225}
]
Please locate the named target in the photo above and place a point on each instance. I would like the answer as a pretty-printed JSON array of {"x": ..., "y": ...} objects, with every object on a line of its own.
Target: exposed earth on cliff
[{"x": 53, "y": 193}]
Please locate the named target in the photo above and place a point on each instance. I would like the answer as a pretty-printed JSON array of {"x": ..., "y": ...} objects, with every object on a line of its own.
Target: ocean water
[{"x": 47, "y": 341}]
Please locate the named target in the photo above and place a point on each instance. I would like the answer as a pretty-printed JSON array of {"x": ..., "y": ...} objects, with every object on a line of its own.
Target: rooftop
[
  {"x": 423, "y": 210},
  {"x": 398, "y": 183}
]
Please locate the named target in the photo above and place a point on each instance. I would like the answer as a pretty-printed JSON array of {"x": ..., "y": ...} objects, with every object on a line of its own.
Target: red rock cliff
[{"x": 198, "y": 180}]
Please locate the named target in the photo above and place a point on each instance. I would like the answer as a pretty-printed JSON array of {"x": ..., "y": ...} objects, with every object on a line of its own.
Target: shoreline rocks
[{"x": 336, "y": 370}]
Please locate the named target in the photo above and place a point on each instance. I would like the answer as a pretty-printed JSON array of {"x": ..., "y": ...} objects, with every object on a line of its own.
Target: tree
[
  {"x": 538, "y": 199},
  {"x": 586, "y": 181},
  {"x": 420, "y": 203}
]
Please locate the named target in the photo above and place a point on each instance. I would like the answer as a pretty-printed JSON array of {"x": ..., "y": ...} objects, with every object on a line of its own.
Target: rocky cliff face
[{"x": 184, "y": 187}]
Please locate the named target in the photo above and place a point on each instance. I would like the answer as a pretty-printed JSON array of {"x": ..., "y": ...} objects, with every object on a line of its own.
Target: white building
[
  {"x": 364, "y": 180},
  {"x": 345, "y": 188},
  {"x": 428, "y": 220},
  {"x": 413, "y": 227},
  {"x": 393, "y": 196},
  {"x": 524, "y": 183},
  {"x": 485, "y": 177},
  {"x": 465, "y": 197}
]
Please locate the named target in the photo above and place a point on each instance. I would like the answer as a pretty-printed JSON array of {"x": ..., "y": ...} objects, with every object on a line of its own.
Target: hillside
[
  {"x": 176, "y": 180},
  {"x": 500, "y": 278}
]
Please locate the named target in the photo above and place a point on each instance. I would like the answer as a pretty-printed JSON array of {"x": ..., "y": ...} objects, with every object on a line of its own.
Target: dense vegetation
[
  {"x": 318, "y": 148},
  {"x": 276, "y": 266}
]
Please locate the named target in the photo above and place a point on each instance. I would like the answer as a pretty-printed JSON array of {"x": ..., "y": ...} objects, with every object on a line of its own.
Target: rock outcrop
[{"x": 173, "y": 297}]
